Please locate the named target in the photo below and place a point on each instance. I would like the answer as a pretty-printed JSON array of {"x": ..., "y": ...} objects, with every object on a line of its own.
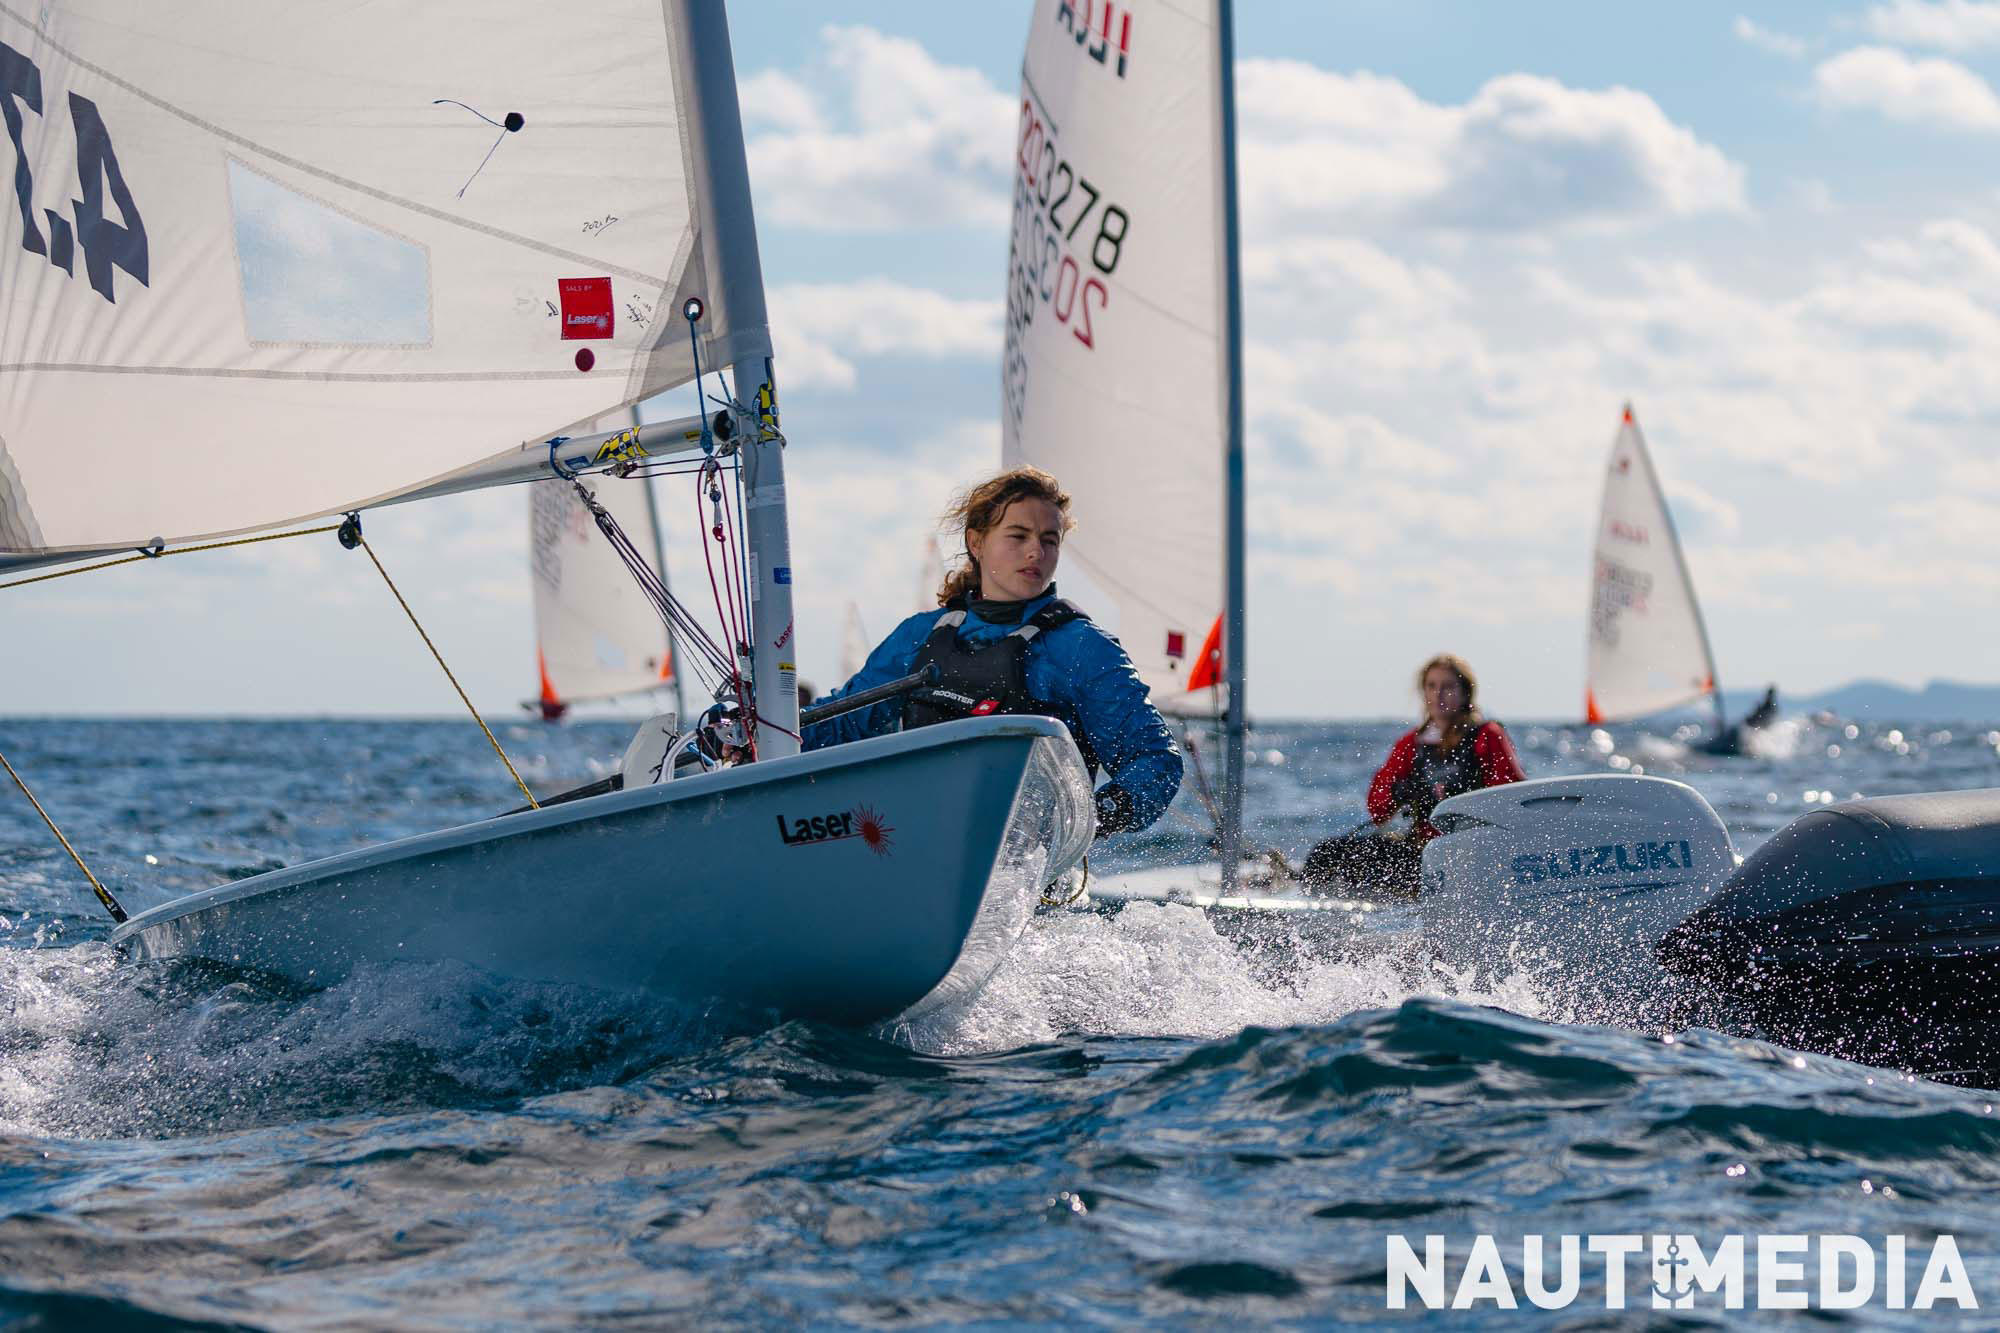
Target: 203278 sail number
[
  {"x": 106, "y": 244},
  {"x": 1046, "y": 187}
]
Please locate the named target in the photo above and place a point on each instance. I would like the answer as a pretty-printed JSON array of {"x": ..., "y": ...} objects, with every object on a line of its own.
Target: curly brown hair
[{"x": 980, "y": 507}]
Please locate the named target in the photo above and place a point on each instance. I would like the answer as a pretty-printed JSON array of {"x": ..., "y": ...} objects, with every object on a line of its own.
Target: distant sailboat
[
  {"x": 597, "y": 636},
  {"x": 1648, "y": 646}
]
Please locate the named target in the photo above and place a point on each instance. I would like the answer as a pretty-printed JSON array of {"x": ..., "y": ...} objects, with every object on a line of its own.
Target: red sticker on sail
[{"x": 586, "y": 307}]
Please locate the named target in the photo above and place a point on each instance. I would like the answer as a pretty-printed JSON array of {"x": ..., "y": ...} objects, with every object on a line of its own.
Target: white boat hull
[{"x": 930, "y": 851}]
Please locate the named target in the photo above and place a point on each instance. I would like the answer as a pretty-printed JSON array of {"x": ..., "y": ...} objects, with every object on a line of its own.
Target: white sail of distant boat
[
  {"x": 597, "y": 636},
  {"x": 274, "y": 262},
  {"x": 1117, "y": 365},
  {"x": 1648, "y": 648},
  {"x": 930, "y": 574},
  {"x": 854, "y": 642}
]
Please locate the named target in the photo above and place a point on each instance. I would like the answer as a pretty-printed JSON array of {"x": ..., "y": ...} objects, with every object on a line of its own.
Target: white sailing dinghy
[
  {"x": 1123, "y": 364},
  {"x": 1648, "y": 647},
  {"x": 270, "y": 264},
  {"x": 598, "y": 637}
]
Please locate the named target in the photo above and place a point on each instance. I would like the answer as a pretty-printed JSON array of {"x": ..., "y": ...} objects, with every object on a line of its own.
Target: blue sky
[{"x": 1471, "y": 233}]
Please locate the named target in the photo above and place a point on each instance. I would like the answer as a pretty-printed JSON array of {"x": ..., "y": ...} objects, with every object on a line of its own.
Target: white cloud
[
  {"x": 858, "y": 538},
  {"x": 1525, "y": 153},
  {"x": 1952, "y": 25},
  {"x": 1764, "y": 39},
  {"x": 1814, "y": 196},
  {"x": 1951, "y": 250},
  {"x": 878, "y": 136},
  {"x": 1428, "y": 428},
  {"x": 1702, "y": 515},
  {"x": 823, "y": 329},
  {"x": 1924, "y": 92}
]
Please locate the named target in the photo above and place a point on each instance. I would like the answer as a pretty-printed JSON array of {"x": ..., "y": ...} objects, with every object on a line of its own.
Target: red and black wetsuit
[{"x": 1419, "y": 776}]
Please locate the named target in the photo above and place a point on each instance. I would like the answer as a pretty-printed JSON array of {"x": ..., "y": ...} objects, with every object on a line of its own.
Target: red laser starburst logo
[{"x": 875, "y": 830}]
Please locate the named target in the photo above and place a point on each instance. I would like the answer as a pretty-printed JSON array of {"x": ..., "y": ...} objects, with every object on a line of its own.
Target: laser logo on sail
[{"x": 586, "y": 307}]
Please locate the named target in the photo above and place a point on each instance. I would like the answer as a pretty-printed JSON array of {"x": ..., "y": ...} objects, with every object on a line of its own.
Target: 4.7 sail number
[{"x": 106, "y": 244}]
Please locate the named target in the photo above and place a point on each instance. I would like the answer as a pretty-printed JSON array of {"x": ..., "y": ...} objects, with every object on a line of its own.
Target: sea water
[{"x": 1140, "y": 1119}]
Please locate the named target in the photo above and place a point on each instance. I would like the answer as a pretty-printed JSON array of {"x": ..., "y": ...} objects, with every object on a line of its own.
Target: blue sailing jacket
[{"x": 1077, "y": 668}]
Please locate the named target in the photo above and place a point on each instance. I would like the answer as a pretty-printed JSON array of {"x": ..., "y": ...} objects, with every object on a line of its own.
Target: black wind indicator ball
[{"x": 515, "y": 120}]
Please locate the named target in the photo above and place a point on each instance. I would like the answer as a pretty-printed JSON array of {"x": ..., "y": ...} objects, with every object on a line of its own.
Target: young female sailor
[
  {"x": 1004, "y": 642},
  {"x": 1452, "y": 750},
  {"x": 1455, "y": 750}
]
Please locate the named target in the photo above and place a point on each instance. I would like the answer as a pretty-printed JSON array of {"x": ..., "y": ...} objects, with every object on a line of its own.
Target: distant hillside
[{"x": 1881, "y": 701}]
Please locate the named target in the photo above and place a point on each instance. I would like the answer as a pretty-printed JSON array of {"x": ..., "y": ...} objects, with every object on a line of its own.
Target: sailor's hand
[{"x": 1115, "y": 811}]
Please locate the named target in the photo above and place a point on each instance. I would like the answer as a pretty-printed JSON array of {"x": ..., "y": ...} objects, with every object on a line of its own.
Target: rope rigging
[
  {"x": 158, "y": 549},
  {"x": 111, "y": 904},
  {"x": 724, "y": 668},
  {"x": 350, "y": 537}
]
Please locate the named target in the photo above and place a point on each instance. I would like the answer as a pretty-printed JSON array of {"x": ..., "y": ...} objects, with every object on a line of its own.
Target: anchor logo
[{"x": 1677, "y": 1291}]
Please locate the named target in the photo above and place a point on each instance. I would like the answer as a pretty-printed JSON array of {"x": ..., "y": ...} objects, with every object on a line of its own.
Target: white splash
[{"x": 1162, "y": 969}]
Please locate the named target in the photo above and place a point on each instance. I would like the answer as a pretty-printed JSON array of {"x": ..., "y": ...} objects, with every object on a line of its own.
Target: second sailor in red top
[{"x": 1453, "y": 750}]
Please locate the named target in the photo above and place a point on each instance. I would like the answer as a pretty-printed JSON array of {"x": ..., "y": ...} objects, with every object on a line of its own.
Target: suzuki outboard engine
[
  {"x": 1868, "y": 930},
  {"x": 1572, "y": 881}
]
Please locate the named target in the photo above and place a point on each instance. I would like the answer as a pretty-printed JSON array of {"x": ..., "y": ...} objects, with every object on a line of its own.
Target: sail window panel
[{"x": 313, "y": 275}]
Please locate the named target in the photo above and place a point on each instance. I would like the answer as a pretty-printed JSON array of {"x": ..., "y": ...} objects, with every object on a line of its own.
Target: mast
[
  {"x": 1234, "y": 578},
  {"x": 708, "y": 72},
  {"x": 774, "y": 651}
]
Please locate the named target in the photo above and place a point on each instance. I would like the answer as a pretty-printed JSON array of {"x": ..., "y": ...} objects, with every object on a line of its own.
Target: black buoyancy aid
[
  {"x": 979, "y": 679},
  {"x": 1456, "y": 771}
]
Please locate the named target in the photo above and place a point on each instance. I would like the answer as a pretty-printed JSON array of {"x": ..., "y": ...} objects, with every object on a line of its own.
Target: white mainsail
[
  {"x": 1116, "y": 377},
  {"x": 597, "y": 636},
  {"x": 1648, "y": 648},
  {"x": 235, "y": 293}
]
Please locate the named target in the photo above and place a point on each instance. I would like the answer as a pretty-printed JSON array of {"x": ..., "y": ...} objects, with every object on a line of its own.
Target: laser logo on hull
[{"x": 863, "y": 822}]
